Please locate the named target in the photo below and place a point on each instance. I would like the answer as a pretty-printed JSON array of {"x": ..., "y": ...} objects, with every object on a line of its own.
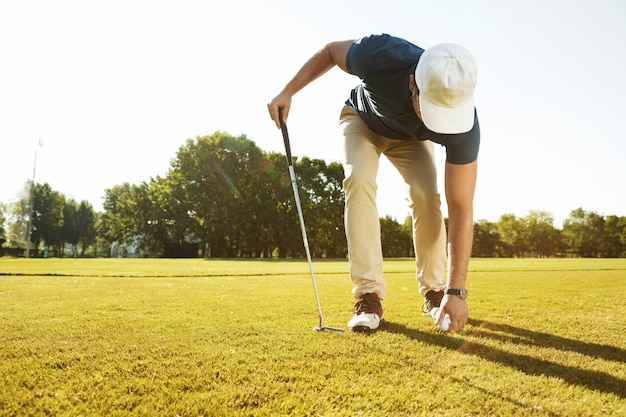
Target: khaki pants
[{"x": 414, "y": 161}]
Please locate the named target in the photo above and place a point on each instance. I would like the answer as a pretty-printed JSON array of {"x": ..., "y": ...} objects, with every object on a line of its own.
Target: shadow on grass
[
  {"x": 504, "y": 332},
  {"x": 593, "y": 380}
]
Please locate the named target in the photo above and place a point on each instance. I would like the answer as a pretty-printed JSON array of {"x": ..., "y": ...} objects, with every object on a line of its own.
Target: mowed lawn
[{"x": 121, "y": 337}]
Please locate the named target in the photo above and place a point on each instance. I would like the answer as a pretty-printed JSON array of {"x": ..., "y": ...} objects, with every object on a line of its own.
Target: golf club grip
[{"x": 283, "y": 129}]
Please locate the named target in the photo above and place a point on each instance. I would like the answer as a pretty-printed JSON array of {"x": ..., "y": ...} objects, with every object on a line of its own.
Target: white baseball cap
[{"x": 446, "y": 77}]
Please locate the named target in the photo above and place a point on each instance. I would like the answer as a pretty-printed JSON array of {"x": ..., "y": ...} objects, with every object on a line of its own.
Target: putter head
[{"x": 327, "y": 329}]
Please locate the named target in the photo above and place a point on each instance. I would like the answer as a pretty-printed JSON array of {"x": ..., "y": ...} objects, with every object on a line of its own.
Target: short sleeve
[
  {"x": 461, "y": 148},
  {"x": 363, "y": 52}
]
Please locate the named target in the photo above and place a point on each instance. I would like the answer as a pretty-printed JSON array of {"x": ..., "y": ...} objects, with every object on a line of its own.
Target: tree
[
  {"x": 542, "y": 237},
  {"x": 18, "y": 217},
  {"x": 614, "y": 232},
  {"x": 336, "y": 245},
  {"x": 86, "y": 225},
  {"x": 395, "y": 240},
  {"x": 322, "y": 199},
  {"x": 282, "y": 219},
  {"x": 217, "y": 176},
  {"x": 169, "y": 221},
  {"x": 486, "y": 240},
  {"x": 271, "y": 195},
  {"x": 69, "y": 231},
  {"x": 3, "y": 233},
  {"x": 254, "y": 203},
  {"x": 622, "y": 238},
  {"x": 79, "y": 225},
  {"x": 127, "y": 212},
  {"x": 512, "y": 235},
  {"x": 47, "y": 218},
  {"x": 583, "y": 233}
]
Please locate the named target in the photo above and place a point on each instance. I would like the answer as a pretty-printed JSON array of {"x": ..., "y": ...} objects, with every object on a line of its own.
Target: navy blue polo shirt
[{"x": 383, "y": 99}]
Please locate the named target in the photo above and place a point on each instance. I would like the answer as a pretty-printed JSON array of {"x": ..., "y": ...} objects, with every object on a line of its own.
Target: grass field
[{"x": 234, "y": 338}]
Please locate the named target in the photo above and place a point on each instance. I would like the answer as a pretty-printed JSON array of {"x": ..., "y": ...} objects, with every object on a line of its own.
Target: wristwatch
[{"x": 459, "y": 292}]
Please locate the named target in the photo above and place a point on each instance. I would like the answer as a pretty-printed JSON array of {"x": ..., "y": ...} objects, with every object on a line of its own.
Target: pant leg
[
  {"x": 415, "y": 161},
  {"x": 361, "y": 154}
]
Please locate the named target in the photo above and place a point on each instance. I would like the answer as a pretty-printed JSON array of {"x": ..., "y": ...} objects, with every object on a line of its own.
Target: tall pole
[{"x": 30, "y": 206}]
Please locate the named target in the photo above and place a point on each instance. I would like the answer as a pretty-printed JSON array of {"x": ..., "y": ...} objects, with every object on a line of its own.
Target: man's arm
[
  {"x": 330, "y": 55},
  {"x": 460, "y": 182}
]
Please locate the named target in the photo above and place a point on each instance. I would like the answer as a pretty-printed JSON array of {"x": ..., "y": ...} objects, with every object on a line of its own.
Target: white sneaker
[{"x": 368, "y": 314}]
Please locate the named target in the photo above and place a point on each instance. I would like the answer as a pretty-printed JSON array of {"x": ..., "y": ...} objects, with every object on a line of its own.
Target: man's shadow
[{"x": 594, "y": 380}]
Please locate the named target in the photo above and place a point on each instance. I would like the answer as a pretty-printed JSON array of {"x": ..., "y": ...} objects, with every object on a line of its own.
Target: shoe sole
[{"x": 365, "y": 329}]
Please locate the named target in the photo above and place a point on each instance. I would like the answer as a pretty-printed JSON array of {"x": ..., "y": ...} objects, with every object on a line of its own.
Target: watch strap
[{"x": 459, "y": 292}]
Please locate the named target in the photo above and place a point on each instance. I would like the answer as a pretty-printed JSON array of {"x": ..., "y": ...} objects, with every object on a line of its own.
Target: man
[{"x": 408, "y": 98}]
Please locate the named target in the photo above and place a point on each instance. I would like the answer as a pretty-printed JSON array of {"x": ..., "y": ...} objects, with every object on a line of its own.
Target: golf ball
[{"x": 445, "y": 324}]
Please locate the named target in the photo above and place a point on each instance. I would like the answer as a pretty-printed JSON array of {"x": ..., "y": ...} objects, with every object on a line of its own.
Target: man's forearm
[
  {"x": 460, "y": 238},
  {"x": 460, "y": 183}
]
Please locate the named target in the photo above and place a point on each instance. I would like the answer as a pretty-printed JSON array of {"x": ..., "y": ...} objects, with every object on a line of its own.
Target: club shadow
[{"x": 470, "y": 345}]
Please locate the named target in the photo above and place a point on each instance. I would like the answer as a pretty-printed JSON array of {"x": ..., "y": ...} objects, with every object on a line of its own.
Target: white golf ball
[{"x": 445, "y": 324}]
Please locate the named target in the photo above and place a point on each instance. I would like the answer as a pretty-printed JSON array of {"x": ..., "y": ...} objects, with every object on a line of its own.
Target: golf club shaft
[
  {"x": 296, "y": 195},
  {"x": 305, "y": 239}
]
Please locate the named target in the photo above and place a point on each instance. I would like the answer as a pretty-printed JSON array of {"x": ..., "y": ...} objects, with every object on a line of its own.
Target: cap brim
[{"x": 445, "y": 119}]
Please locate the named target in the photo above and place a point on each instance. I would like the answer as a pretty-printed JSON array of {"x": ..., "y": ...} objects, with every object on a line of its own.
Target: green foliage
[
  {"x": 105, "y": 337},
  {"x": 395, "y": 238},
  {"x": 86, "y": 225},
  {"x": 226, "y": 196},
  {"x": 223, "y": 197},
  {"x": 47, "y": 217},
  {"x": 322, "y": 202},
  {"x": 584, "y": 233},
  {"x": 543, "y": 238},
  {"x": 614, "y": 237},
  {"x": 224, "y": 190},
  {"x": 56, "y": 221},
  {"x": 18, "y": 218},
  {"x": 69, "y": 231},
  {"x": 512, "y": 235},
  {"x": 126, "y": 211},
  {"x": 487, "y": 241},
  {"x": 3, "y": 233}
]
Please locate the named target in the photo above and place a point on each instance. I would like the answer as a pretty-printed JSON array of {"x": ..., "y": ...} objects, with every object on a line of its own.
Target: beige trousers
[{"x": 414, "y": 161}]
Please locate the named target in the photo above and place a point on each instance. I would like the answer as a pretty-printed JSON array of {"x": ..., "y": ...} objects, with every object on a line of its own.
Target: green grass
[{"x": 234, "y": 338}]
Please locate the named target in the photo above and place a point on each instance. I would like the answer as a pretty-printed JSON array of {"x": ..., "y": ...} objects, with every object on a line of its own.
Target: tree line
[
  {"x": 56, "y": 222},
  {"x": 584, "y": 234},
  {"x": 223, "y": 197}
]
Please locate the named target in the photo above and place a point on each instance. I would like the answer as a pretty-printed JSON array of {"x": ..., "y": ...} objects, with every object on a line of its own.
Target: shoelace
[
  {"x": 367, "y": 304},
  {"x": 433, "y": 299}
]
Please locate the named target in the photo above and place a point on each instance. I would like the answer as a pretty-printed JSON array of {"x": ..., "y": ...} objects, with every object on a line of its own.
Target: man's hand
[
  {"x": 456, "y": 309},
  {"x": 281, "y": 101}
]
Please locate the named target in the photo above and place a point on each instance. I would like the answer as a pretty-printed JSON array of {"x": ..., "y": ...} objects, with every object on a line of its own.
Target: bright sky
[{"x": 113, "y": 88}]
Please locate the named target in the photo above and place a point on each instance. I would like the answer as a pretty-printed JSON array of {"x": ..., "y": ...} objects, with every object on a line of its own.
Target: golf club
[{"x": 296, "y": 195}]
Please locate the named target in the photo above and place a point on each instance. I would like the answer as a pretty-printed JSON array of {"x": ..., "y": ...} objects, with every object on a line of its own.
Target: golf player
[{"x": 407, "y": 100}]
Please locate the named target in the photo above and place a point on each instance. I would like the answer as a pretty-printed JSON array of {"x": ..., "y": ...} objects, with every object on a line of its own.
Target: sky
[{"x": 112, "y": 89}]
